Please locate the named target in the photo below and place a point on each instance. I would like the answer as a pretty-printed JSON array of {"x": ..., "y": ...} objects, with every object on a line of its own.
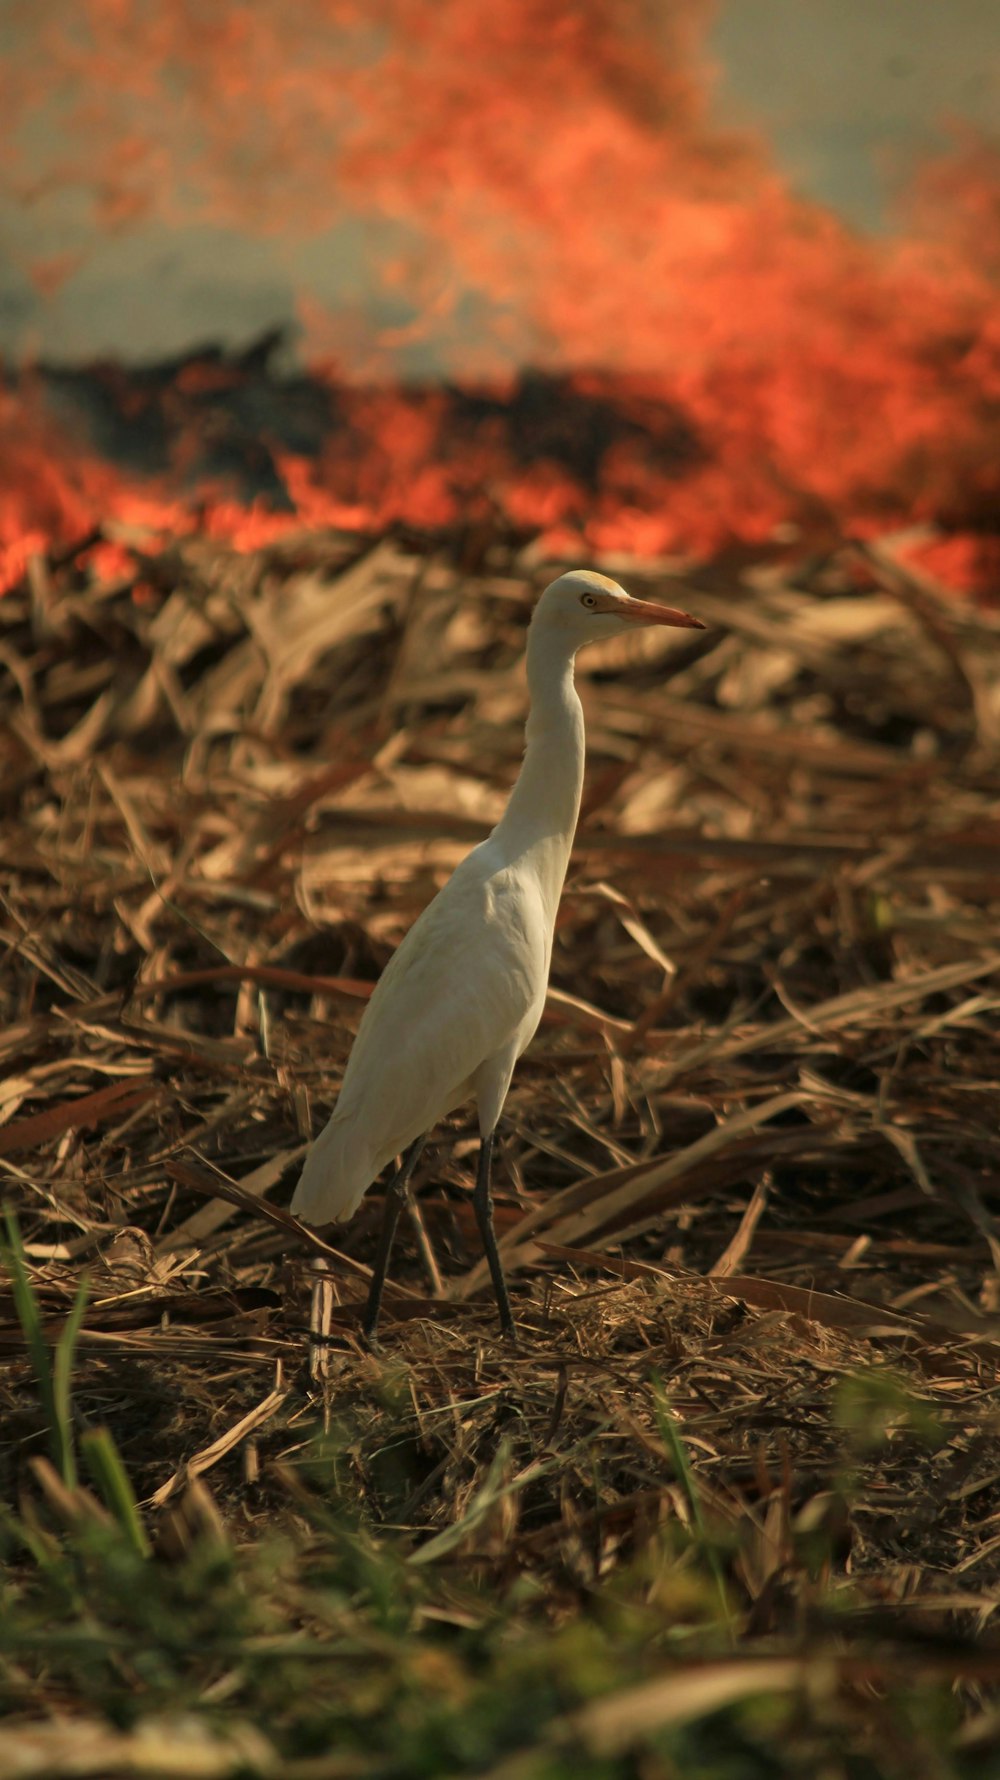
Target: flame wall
[{"x": 529, "y": 184}]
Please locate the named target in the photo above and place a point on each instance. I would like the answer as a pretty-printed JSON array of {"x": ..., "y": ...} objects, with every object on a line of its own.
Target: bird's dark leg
[
  {"x": 395, "y": 1199},
  {"x": 483, "y": 1203}
]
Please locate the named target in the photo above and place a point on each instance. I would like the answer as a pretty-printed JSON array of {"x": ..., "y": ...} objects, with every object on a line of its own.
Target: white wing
[{"x": 467, "y": 982}]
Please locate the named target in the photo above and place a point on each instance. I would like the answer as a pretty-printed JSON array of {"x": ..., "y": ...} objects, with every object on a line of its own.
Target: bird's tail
[{"x": 338, "y": 1171}]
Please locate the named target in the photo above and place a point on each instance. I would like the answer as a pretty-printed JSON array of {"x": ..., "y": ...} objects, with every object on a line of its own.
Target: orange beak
[{"x": 647, "y": 612}]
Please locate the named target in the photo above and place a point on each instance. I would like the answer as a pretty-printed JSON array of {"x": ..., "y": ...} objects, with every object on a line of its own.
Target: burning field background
[
  {"x": 568, "y": 292},
  {"x": 733, "y": 1506}
]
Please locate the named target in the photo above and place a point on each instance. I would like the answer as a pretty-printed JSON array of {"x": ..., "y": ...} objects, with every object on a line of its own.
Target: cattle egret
[{"x": 463, "y": 994}]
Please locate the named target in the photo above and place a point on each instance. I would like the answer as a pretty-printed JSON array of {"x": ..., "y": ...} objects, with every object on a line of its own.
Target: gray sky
[{"x": 848, "y": 92}]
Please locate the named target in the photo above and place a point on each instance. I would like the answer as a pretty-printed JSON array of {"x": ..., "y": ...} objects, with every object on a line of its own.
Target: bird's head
[{"x": 587, "y": 608}]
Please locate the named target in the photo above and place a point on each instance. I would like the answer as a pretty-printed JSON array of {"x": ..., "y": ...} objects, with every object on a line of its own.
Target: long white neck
[{"x": 540, "y": 818}]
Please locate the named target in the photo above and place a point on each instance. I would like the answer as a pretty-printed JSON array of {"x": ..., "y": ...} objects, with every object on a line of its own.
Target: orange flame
[{"x": 543, "y": 184}]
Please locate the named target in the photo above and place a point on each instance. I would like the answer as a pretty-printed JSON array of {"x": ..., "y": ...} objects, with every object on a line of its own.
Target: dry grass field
[{"x": 731, "y": 1508}]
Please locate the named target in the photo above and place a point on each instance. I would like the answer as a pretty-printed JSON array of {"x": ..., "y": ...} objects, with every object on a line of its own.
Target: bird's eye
[{"x": 587, "y": 599}]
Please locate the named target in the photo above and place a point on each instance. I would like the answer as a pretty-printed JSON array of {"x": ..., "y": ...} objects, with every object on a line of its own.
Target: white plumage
[{"x": 463, "y": 994}]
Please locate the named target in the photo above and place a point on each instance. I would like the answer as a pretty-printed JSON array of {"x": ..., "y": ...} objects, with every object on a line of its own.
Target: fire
[{"x": 716, "y": 360}]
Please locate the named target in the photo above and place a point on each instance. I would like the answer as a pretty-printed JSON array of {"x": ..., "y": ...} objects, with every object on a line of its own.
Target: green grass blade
[
  {"x": 487, "y": 1498},
  {"x": 52, "y": 1372},
  {"x": 25, "y": 1302},
  {"x": 28, "y": 1314},
  {"x": 671, "y": 1438},
  {"x": 65, "y": 1348},
  {"x": 104, "y": 1462}
]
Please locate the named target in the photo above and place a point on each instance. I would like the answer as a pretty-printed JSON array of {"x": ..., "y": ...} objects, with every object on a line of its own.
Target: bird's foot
[{"x": 370, "y": 1340}]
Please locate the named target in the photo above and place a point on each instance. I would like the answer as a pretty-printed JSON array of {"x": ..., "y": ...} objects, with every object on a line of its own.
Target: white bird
[{"x": 462, "y": 996}]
